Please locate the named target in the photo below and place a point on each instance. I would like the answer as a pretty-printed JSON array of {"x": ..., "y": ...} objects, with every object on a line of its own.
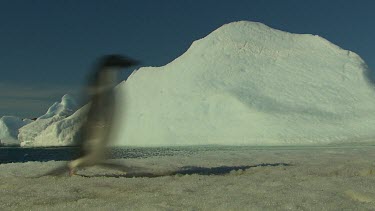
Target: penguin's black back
[{"x": 103, "y": 102}]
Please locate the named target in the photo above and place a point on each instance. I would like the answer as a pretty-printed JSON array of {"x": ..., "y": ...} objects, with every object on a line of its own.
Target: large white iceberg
[
  {"x": 31, "y": 133},
  {"x": 66, "y": 107},
  {"x": 64, "y": 132},
  {"x": 246, "y": 84}
]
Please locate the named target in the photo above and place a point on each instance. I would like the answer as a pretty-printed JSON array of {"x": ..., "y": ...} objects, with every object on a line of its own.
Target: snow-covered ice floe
[
  {"x": 222, "y": 178},
  {"x": 244, "y": 84}
]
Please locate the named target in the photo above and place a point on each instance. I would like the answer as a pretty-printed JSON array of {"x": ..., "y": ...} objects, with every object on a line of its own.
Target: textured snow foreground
[{"x": 232, "y": 178}]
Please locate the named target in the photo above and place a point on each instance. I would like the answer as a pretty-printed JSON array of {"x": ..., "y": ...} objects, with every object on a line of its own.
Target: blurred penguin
[{"x": 96, "y": 130}]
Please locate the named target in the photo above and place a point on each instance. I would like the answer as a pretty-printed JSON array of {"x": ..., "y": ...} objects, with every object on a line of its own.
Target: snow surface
[
  {"x": 9, "y": 126},
  {"x": 247, "y": 84},
  {"x": 318, "y": 178},
  {"x": 38, "y": 132}
]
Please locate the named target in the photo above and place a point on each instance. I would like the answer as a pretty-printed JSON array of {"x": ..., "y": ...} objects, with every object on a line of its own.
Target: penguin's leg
[
  {"x": 72, "y": 172},
  {"x": 73, "y": 165},
  {"x": 91, "y": 159}
]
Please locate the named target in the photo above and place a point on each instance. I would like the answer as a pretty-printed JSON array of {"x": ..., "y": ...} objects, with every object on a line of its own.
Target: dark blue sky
[{"x": 47, "y": 47}]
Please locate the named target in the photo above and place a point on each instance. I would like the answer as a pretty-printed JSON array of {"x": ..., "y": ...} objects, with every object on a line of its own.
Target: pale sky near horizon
[{"x": 47, "y": 47}]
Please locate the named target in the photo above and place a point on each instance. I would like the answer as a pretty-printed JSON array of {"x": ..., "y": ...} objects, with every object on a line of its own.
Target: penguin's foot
[{"x": 72, "y": 172}]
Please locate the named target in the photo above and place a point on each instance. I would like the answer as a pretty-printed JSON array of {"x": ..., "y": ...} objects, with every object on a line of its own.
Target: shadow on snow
[{"x": 188, "y": 170}]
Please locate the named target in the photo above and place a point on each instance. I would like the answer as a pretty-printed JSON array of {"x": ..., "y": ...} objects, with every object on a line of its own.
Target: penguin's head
[
  {"x": 115, "y": 61},
  {"x": 105, "y": 72}
]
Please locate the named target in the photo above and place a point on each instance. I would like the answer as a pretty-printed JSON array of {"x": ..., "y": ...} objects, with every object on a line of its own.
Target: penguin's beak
[
  {"x": 130, "y": 62},
  {"x": 117, "y": 61}
]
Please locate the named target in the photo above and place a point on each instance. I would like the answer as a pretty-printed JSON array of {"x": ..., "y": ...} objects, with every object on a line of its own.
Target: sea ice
[{"x": 222, "y": 178}]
